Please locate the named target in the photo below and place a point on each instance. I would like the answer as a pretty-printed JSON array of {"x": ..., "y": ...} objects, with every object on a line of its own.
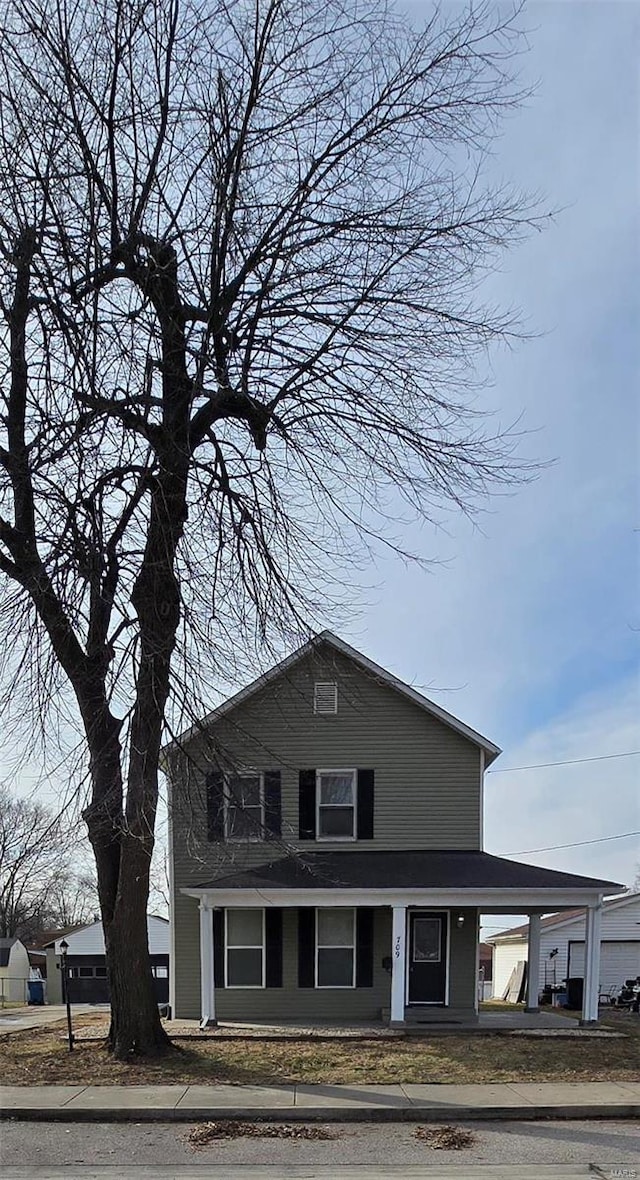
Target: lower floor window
[
  {"x": 244, "y": 943},
  {"x": 335, "y": 948}
]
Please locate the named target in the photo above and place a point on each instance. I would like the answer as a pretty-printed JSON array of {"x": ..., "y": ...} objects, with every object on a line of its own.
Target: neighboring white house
[
  {"x": 562, "y": 946},
  {"x": 14, "y": 971},
  {"x": 87, "y": 965}
]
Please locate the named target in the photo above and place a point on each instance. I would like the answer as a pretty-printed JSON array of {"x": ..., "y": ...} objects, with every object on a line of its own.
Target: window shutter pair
[
  {"x": 273, "y": 947},
  {"x": 307, "y": 947},
  {"x": 272, "y": 805},
  {"x": 307, "y": 804}
]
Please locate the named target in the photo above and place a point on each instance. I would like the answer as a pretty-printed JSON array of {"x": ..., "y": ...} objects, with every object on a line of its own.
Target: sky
[{"x": 528, "y": 625}]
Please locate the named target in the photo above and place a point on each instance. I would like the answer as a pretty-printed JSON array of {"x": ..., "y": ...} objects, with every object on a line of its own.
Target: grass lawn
[{"x": 42, "y": 1058}]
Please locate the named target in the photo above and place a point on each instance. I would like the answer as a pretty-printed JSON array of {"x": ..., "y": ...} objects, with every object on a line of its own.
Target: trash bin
[
  {"x": 575, "y": 992},
  {"x": 36, "y": 991}
]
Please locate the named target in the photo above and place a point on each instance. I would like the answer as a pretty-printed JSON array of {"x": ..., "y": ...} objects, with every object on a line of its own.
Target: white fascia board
[
  {"x": 490, "y": 749},
  {"x": 485, "y": 899}
]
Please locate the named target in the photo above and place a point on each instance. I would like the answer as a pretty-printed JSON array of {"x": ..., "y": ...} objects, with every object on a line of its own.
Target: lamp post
[{"x": 64, "y": 947}]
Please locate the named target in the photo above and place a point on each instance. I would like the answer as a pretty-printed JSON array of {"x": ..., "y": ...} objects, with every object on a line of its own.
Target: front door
[{"x": 427, "y": 957}]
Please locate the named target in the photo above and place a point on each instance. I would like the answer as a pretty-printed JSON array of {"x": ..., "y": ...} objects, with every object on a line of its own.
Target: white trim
[
  {"x": 429, "y": 1003},
  {"x": 481, "y": 801},
  {"x": 172, "y": 896},
  {"x": 533, "y": 962},
  {"x": 358, "y": 658},
  {"x": 207, "y": 979},
  {"x": 591, "y": 990},
  {"x": 426, "y": 899},
  {"x": 236, "y": 987},
  {"x": 227, "y": 801},
  {"x": 477, "y": 996},
  {"x": 354, "y": 794},
  {"x": 398, "y": 963},
  {"x": 335, "y": 987}
]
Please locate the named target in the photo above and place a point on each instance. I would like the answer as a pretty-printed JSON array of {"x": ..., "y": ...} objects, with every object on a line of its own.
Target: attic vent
[{"x": 325, "y": 698}]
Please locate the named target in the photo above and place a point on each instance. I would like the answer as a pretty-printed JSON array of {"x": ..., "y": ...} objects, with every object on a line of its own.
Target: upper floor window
[
  {"x": 336, "y": 804},
  {"x": 325, "y": 697},
  {"x": 244, "y": 807}
]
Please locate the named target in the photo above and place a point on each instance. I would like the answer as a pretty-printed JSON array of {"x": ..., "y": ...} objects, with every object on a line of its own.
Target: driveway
[{"x": 18, "y": 1019}]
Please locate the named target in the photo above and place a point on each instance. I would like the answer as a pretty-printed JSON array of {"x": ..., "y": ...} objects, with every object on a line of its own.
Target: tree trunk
[
  {"x": 122, "y": 863},
  {"x": 136, "y": 1027}
]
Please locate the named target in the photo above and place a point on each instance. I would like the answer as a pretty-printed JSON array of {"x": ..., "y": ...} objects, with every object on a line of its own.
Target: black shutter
[
  {"x": 365, "y": 804},
  {"x": 218, "y": 948},
  {"x": 364, "y": 948},
  {"x": 215, "y": 805},
  {"x": 272, "y": 803},
  {"x": 306, "y": 947},
  {"x": 307, "y": 805},
  {"x": 273, "y": 951}
]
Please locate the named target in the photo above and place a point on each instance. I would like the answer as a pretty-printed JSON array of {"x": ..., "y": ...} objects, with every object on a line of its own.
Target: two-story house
[{"x": 326, "y": 853}]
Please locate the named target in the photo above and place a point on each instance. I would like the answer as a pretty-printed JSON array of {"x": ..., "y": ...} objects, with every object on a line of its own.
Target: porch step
[{"x": 443, "y": 1017}]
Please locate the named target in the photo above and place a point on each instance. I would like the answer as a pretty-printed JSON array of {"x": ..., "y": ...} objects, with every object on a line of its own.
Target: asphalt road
[{"x": 125, "y": 1150}]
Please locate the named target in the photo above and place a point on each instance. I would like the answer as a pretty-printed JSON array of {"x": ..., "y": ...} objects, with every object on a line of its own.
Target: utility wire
[
  {"x": 578, "y": 844},
  {"x": 567, "y": 762}
]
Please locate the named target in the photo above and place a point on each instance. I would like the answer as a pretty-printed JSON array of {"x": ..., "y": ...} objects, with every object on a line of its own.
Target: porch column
[
  {"x": 207, "y": 982},
  {"x": 533, "y": 964},
  {"x": 398, "y": 963},
  {"x": 591, "y": 965}
]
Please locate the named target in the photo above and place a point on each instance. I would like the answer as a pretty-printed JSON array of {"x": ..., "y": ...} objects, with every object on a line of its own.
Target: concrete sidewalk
[
  {"x": 361, "y": 1103},
  {"x": 19, "y": 1019}
]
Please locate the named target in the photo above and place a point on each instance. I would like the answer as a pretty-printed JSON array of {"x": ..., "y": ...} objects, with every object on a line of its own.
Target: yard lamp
[{"x": 64, "y": 947}]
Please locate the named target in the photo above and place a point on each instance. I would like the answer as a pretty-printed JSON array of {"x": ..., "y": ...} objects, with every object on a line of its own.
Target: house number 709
[{"x": 397, "y": 951}]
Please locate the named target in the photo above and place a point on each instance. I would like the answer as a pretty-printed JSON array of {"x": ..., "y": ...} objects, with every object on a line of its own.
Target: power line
[
  {"x": 566, "y": 762},
  {"x": 578, "y": 844}
]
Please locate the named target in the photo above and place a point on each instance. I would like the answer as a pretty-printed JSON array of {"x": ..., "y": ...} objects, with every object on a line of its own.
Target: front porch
[
  {"x": 542, "y": 1024},
  {"x": 412, "y": 953}
]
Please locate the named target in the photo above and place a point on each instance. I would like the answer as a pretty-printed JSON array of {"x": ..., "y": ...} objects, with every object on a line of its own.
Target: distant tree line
[{"x": 41, "y": 886}]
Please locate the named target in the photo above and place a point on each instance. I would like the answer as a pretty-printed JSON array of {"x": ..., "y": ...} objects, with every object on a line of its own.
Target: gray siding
[
  {"x": 427, "y": 776},
  {"x": 310, "y": 1004},
  {"x": 427, "y": 795}
]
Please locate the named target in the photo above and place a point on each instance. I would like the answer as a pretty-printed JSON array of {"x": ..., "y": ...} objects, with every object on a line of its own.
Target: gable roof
[
  {"x": 330, "y": 640},
  {"x": 56, "y": 936},
  {"x": 5, "y": 949},
  {"x": 517, "y": 933}
]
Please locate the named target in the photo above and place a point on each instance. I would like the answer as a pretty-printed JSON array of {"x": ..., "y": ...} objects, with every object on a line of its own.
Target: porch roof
[{"x": 438, "y": 870}]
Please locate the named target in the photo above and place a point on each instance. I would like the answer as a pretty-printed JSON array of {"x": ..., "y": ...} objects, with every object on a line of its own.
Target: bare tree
[
  {"x": 242, "y": 245},
  {"x": 72, "y": 900},
  {"x": 39, "y": 885}
]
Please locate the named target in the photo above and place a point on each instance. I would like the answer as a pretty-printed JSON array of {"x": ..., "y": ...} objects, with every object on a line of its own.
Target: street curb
[{"x": 319, "y": 1114}]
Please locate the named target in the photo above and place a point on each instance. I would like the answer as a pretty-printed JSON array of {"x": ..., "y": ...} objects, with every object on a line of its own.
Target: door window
[{"x": 426, "y": 940}]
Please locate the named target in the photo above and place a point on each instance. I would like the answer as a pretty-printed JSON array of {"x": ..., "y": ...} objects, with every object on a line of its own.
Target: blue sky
[{"x": 529, "y": 626}]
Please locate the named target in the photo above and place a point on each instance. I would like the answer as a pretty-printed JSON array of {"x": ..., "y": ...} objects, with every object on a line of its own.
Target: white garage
[
  {"x": 562, "y": 938},
  {"x": 619, "y": 960}
]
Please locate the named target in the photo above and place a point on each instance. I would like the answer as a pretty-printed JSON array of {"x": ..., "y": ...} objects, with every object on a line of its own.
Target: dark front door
[{"x": 427, "y": 957}]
